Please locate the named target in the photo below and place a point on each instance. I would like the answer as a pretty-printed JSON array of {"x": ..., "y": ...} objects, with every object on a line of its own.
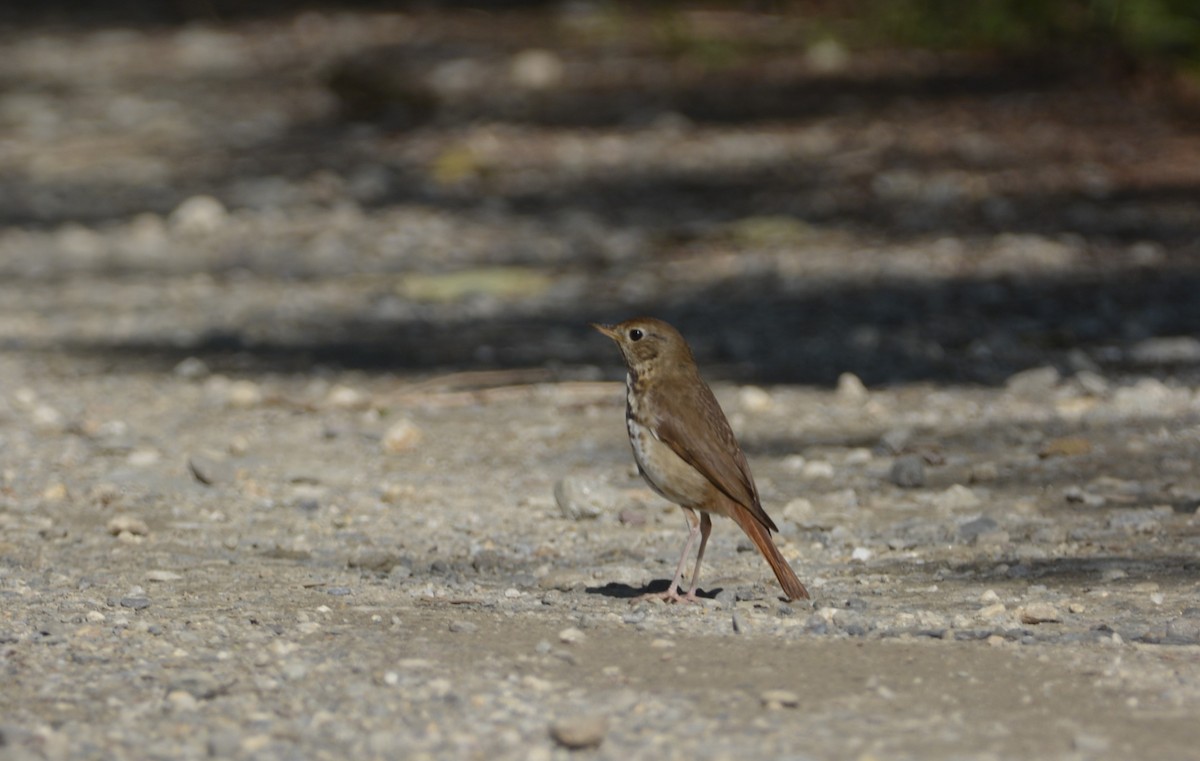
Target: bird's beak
[{"x": 608, "y": 330}]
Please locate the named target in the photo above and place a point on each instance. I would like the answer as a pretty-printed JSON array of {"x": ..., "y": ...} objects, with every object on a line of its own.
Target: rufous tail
[{"x": 761, "y": 537}]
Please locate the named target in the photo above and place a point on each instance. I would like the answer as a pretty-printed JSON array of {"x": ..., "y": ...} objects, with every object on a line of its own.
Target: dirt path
[{"x": 307, "y": 451}]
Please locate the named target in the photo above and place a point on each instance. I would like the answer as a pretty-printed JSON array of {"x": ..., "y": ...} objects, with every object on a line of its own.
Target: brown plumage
[{"x": 685, "y": 448}]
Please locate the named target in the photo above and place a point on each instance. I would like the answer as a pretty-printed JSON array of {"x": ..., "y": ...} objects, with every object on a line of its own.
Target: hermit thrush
[{"x": 685, "y": 448}]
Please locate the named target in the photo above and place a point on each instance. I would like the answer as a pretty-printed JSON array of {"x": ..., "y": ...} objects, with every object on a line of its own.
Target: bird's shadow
[{"x": 658, "y": 586}]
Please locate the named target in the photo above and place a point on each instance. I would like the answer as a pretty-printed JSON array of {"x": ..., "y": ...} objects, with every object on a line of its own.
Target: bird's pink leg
[
  {"x": 694, "y": 528},
  {"x": 705, "y": 530}
]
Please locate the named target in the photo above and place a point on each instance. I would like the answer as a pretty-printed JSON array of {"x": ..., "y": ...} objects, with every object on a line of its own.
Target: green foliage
[{"x": 1145, "y": 30}]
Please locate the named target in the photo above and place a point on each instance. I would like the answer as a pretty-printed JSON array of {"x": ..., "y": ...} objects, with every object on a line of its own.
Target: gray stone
[
  {"x": 582, "y": 499},
  {"x": 1185, "y": 628},
  {"x": 1140, "y": 520},
  {"x": 908, "y": 472},
  {"x": 970, "y": 530}
]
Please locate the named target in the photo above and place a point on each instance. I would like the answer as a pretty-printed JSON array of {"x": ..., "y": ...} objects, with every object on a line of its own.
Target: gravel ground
[{"x": 307, "y": 451}]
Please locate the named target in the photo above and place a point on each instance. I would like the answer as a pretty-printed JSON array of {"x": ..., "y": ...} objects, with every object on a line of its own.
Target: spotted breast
[{"x": 665, "y": 471}]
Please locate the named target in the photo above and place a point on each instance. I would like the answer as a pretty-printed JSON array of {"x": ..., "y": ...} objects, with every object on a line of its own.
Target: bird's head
[{"x": 647, "y": 343}]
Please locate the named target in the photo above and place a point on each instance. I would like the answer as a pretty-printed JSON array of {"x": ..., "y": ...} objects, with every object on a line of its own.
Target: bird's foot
[{"x": 671, "y": 595}]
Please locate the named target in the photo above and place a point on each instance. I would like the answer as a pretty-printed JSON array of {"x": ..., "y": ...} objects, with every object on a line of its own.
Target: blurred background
[{"x": 909, "y": 190}]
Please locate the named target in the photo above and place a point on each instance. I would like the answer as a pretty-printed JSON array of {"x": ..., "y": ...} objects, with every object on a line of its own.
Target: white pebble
[
  {"x": 779, "y": 699},
  {"x": 127, "y": 524},
  {"x": 957, "y": 497},
  {"x": 199, "y": 214},
  {"x": 851, "y": 389},
  {"x": 815, "y": 469},
  {"x": 345, "y": 397},
  {"x": 141, "y": 458},
  {"x": 755, "y": 399},
  {"x": 402, "y": 436},
  {"x": 243, "y": 394},
  {"x": 181, "y": 700},
  {"x": 46, "y": 417},
  {"x": 993, "y": 611},
  {"x": 1039, "y": 613},
  {"x": 571, "y": 636}
]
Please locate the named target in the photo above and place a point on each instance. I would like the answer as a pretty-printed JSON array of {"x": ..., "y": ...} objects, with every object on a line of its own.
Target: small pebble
[
  {"x": 346, "y": 398},
  {"x": 957, "y": 497},
  {"x": 817, "y": 469},
  {"x": 55, "y": 492},
  {"x": 1184, "y": 628},
  {"x": 1065, "y": 446},
  {"x": 851, "y": 389},
  {"x": 199, "y": 214},
  {"x": 401, "y": 436},
  {"x": 1079, "y": 495},
  {"x": 1166, "y": 350},
  {"x": 372, "y": 559},
  {"x": 895, "y": 440},
  {"x": 191, "y": 368},
  {"x": 775, "y": 699},
  {"x": 1089, "y": 743},
  {"x": 141, "y": 458},
  {"x": 127, "y": 524},
  {"x": 629, "y": 517},
  {"x": 994, "y": 610},
  {"x": 754, "y": 399},
  {"x": 571, "y": 636},
  {"x": 1033, "y": 383},
  {"x": 464, "y": 627},
  {"x": 1039, "y": 613},
  {"x": 584, "y": 499},
  {"x": 908, "y": 472},
  {"x": 578, "y": 732},
  {"x": 243, "y": 394},
  {"x": 984, "y": 472},
  {"x": 181, "y": 700},
  {"x": 971, "y": 530}
]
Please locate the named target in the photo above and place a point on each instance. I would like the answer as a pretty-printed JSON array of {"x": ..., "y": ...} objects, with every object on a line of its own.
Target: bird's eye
[{"x": 635, "y": 334}]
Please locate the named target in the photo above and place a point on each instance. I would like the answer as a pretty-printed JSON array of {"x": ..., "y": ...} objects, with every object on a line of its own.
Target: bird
[{"x": 685, "y": 448}]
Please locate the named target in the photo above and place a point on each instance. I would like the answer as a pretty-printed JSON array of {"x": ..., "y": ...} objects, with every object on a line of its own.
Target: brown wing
[{"x": 695, "y": 428}]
